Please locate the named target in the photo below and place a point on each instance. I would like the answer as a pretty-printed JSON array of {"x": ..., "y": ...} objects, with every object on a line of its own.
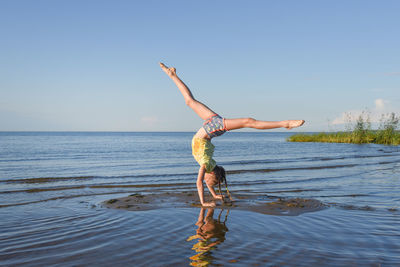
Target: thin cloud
[
  {"x": 380, "y": 104},
  {"x": 346, "y": 117},
  {"x": 375, "y": 114}
]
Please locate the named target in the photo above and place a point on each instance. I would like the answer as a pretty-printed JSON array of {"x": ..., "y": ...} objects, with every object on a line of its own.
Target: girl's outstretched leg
[
  {"x": 233, "y": 124},
  {"x": 202, "y": 110}
]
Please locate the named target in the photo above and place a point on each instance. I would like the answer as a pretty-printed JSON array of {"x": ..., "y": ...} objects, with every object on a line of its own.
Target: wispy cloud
[
  {"x": 381, "y": 107},
  {"x": 346, "y": 117},
  {"x": 380, "y": 104}
]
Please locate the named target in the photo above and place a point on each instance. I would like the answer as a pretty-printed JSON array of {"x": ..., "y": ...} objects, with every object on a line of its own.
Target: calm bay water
[{"x": 52, "y": 184}]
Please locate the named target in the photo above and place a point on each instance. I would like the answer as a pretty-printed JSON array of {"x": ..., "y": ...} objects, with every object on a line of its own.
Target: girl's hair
[{"x": 220, "y": 174}]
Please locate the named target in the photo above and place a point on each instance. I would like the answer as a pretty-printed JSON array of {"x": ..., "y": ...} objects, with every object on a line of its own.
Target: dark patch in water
[
  {"x": 250, "y": 202},
  {"x": 292, "y": 169},
  {"x": 111, "y": 201},
  {"x": 294, "y": 191},
  {"x": 36, "y": 190},
  {"x": 46, "y": 179},
  {"x": 353, "y": 207},
  {"x": 350, "y": 195}
]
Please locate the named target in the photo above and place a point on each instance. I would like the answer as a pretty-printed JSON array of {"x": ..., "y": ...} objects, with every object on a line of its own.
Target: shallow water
[{"x": 52, "y": 184}]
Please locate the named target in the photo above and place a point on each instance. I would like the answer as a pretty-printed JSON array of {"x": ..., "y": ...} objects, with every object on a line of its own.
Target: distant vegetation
[{"x": 359, "y": 133}]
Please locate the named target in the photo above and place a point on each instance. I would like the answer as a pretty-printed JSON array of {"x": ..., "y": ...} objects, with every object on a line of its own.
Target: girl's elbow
[{"x": 200, "y": 177}]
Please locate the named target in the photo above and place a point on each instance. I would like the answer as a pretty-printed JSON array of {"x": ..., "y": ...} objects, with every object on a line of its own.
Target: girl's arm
[
  {"x": 200, "y": 187},
  {"x": 211, "y": 188},
  {"x": 200, "y": 220}
]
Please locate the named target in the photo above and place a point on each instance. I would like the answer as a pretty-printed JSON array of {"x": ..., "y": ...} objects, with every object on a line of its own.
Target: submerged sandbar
[{"x": 260, "y": 203}]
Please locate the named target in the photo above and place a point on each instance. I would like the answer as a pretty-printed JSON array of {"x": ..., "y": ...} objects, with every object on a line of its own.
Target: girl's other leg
[
  {"x": 233, "y": 124},
  {"x": 202, "y": 110}
]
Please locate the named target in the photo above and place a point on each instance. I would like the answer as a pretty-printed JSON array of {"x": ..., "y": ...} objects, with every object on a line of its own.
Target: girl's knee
[
  {"x": 189, "y": 102},
  {"x": 249, "y": 122}
]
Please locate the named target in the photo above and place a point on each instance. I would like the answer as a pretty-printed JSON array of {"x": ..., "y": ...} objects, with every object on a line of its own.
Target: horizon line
[{"x": 107, "y": 131}]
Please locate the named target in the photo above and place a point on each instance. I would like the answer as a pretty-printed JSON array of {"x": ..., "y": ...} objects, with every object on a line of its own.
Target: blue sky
[{"x": 93, "y": 65}]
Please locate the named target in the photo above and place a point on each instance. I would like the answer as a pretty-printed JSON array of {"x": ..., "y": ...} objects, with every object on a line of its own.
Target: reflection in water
[{"x": 210, "y": 233}]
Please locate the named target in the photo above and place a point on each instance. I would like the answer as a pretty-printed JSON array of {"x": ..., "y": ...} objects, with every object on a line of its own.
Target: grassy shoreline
[{"x": 359, "y": 133}]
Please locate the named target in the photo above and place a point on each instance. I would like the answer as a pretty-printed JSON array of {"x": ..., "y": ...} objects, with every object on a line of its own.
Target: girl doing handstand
[{"x": 214, "y": 125}]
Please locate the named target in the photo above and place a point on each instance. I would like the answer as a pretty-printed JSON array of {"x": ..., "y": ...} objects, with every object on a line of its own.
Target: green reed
[{"x": 359, "y": 133}]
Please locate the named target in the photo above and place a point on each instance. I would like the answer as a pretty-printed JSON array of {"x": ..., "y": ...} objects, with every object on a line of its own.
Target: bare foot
[
  {"x": 293, "y": 124},
  {"x": 168, "y": 71}
]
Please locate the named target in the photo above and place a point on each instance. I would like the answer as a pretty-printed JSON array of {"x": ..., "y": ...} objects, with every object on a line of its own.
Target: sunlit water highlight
[{"x": 52, "y": 184}]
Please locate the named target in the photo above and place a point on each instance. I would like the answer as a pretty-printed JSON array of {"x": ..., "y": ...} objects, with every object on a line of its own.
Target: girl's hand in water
[
  {"x": 208, "y": 204},
  {"x": 221, "y": 197}
]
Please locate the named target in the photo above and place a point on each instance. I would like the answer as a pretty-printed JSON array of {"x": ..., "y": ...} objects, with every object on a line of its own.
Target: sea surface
[{"x": 52, "y": 185}]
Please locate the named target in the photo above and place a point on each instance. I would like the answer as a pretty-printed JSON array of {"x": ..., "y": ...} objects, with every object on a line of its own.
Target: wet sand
[{"x": 260, "y": 203}]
